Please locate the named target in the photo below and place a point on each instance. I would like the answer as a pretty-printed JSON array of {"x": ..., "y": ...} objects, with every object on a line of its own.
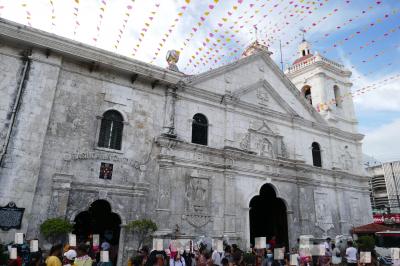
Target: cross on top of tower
[{"x": 303, "y": 31}]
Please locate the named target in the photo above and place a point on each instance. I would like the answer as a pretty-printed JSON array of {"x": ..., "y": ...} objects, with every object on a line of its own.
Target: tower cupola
[{"x": 304, "y": 48}]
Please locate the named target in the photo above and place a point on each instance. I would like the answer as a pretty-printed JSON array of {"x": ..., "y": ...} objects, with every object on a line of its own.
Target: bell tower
[{"x": 326, "y": 86}]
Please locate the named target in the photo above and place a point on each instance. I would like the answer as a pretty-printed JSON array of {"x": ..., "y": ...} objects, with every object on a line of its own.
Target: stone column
[
  {"x": 230, "y": 204},
  {"x": 164, "y": 199},
  {"x": 291, "y": 228},
  {"x": 121, "y": 246},
  {"x": 169, "y": 115},
  {"x": 246, "y": 213}
]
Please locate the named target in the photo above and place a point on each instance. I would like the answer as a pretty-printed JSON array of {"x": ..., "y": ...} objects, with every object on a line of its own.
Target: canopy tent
[{"x": 370, "y": 228}]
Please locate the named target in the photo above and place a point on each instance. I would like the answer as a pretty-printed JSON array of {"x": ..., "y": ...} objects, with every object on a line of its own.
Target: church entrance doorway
[
  {"x": 99, "y": 219},
  {"x": 268, "y": 217}
]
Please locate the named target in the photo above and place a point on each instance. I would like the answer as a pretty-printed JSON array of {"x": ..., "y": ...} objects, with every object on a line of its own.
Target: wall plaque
[{"x": 11, "y": 217}]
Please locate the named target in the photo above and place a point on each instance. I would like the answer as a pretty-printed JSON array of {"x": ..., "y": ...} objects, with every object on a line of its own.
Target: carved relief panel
[
  {"x": 198, "y": 195},
  {"x": 261, "y": 140},
  {"x": 322, "y": 211},
  {"x": 355, "y": 210}
]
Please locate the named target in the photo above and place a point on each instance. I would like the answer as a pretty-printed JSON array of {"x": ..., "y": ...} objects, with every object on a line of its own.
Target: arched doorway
[
  {"x": 99, "y": 219},
  {"x": 268, "y": 216}
]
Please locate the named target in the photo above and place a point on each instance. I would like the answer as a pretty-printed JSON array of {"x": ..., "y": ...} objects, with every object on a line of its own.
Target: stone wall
[{"x": 260, "y": 131}]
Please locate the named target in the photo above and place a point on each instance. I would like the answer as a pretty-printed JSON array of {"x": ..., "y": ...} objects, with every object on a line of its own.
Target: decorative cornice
[
  {"x": 30, "y": 37},
  {"x": 138, "y": 189},
  {"x": 233, "y": 154}
]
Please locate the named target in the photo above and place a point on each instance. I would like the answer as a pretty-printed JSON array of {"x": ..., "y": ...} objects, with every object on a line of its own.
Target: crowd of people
[
  {"x": 233, "y": 256},
  {"x": 272, "y": 254},
  {"x": 59, "y": 255}
]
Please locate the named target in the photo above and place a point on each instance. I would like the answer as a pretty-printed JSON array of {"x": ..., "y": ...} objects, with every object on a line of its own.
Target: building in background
[
  {"x": 384, "y": 186},
  {"x": 391, "y": 172}
]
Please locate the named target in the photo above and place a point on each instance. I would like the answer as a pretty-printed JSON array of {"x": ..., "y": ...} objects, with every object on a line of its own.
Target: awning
[{"x": 370, "y": 228}]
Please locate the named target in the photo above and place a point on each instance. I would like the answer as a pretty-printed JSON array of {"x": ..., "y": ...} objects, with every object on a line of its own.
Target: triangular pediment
[
  {"x": 262, "y": 95},
  {"x": 263, "y": 129},
  {"x": 256, "y": 80}
]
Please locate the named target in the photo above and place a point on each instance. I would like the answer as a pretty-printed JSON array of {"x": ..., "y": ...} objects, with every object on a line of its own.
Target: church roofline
[
  {"x": 299, "y": 66},
  {"x": 265, "y": 55},
  {"x": 33, "y": 38}
]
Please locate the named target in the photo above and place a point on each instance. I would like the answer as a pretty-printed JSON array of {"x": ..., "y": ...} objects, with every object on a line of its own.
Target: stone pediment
[
  {"x": 261, "y": 140},
  {"x": 256, "y": 81},
  {"x": 262, "y": 95}
]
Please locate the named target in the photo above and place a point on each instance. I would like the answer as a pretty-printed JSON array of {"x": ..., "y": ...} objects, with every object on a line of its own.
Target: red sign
[{"x": 387, "y": 218}]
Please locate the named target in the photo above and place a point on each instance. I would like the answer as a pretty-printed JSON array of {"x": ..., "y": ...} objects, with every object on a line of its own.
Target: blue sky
[{"x": 378, "y": 111}]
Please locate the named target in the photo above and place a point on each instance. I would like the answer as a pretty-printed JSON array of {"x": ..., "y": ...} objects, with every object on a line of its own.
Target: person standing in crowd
[
  {"x": 238, "y": 258},
  {"x": 327, "y": 243},
  {"x": 69, "y": 257},
  {"x": 269, "y": 258},
  {"x": 326, "y": 259},
  {"x": 216, "y": 258},
  {"x": 18, "y": 261},
  {"x": 351, "y": 254},
  {"x": 144, "y": 253},
  {"x": 336, "y": 257},
  {"x": 82, "y": 258},
  {"x": 227, "y": 254},
  {"x": 36, "y": 259},
  {"x": 272, "y": 243},
  {"x": 224, "y": 262},
  {"x": 54, "y": 256},
  {"x": 177, "y": 260}
]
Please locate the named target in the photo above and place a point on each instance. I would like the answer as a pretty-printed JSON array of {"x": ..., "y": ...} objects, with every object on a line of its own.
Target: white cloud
[
  {"x": 383, "y": 97},
  {"x": 383, "y": 143}
]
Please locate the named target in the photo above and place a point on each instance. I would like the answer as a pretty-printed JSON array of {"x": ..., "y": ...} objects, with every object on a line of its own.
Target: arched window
[
  {"x": 110, "y": 135},
  {"x": 306, "y": 91},
  {"x": 199, "y": 129},
  {"x": 316, "y": 154},
  {"x": 338, "y": 99}
]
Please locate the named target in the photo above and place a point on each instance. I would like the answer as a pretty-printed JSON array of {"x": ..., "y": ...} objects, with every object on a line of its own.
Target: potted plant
[{"x": 55, "y": 229}]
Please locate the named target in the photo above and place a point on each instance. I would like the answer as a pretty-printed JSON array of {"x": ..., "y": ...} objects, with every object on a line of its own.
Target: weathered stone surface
[{"x": 260, "y": 131}]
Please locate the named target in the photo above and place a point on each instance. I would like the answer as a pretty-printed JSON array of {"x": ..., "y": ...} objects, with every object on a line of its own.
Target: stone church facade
[{"x": 260, "y": 129}]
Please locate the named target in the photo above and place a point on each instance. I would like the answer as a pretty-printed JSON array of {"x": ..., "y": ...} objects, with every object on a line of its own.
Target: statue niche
[{"x": 261, "y": 140}]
